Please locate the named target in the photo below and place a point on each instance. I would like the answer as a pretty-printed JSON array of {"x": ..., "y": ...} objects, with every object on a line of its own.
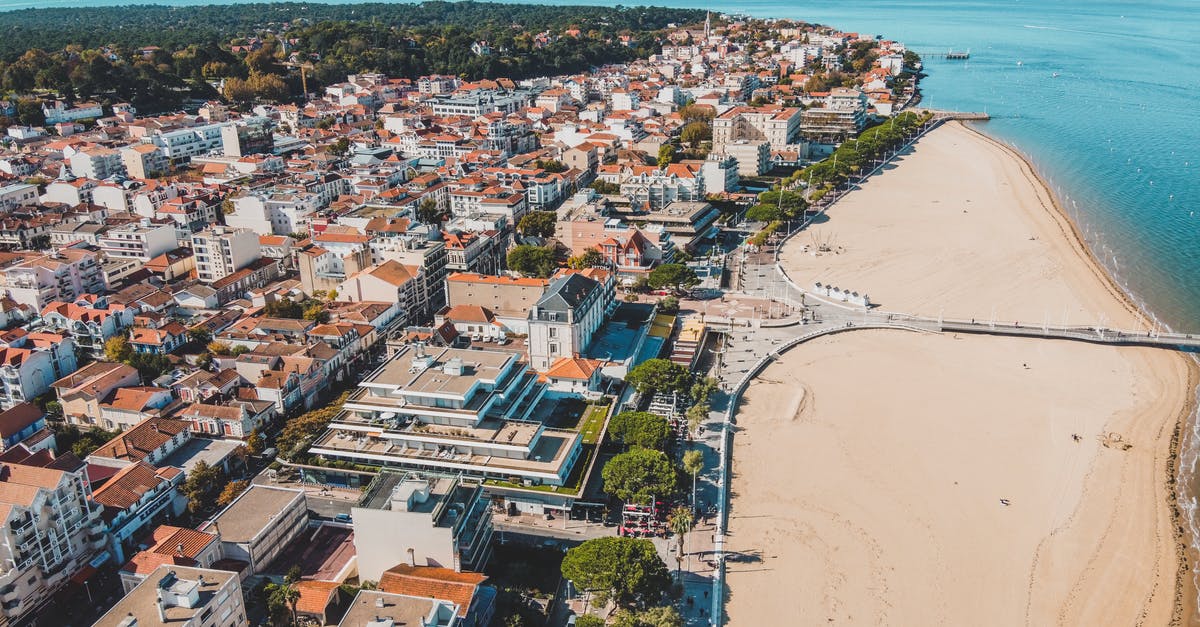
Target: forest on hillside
[{"x": 159, "y": 56}]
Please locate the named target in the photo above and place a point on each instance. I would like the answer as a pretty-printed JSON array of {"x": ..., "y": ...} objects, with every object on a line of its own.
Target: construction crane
[{"x": 304, "y": 78}]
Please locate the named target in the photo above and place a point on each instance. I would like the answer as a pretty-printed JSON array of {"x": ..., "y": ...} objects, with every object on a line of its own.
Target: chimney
[
  {"x": 412, "y": 557},
  {"x": 179, "y": 547}
]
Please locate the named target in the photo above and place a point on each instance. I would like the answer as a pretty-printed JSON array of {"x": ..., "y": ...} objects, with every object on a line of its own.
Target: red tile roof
[
  {"x": 432, "y": 582},
  {"x": 128, "y": 486}
]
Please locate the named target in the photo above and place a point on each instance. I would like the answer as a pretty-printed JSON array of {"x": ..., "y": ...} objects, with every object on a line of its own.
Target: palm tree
[
  {"x": 680, "y": 521},
  {"x": 285, "y": 595},
  {"x": 693, "y": 463}
]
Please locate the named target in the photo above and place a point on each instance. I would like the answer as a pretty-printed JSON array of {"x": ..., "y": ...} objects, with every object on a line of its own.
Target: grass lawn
[{"x": 592, "y": 422}]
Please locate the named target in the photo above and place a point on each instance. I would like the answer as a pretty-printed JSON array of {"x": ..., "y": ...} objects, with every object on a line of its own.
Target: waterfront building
[{"x": 452, "y": 410}]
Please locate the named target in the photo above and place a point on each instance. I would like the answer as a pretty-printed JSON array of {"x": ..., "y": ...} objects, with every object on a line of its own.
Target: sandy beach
[{"x": 871, "y": 470}]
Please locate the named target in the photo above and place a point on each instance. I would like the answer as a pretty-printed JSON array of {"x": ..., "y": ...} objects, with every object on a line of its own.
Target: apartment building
[
  {"x": 96, "y": 163},
  {"x": 481, "y": 102},
  {"x": 753, "y": 157},
  {"x": 481, "y": 253},
  {"x": 221, "y": 251},
  {"x": 843, "y": 115},
  {"x": 25, "y": 425},
  {"x": 133, "y": 499},
  {"x": 167, "y": 545},
  {"x": 452, "y": 410},
  {"x": 26, "y": 373},
  {"x": 259, "y": 524},
  {"x": 780, "y": 126},
  {"x": 16, "y": 195},
  {"x": 390, "y": 281},
  {"x": 685, "y": 222},
  {"x": 145, "y": 161},
  {"x": 89, "y": 321},
  {"x": 248, "y": 136},
  {"x": 181, "y": 596},
  {"x": 274, "y": 212},
  {"x": 421, "y": 519},
  {"x": 183, "y": 144},
  {"x": 50, "y": 531},
  {"x": 659, "y": 187},
  {"x": 65, "y": 275},
  {"x": 509, "y": 298},
  {"x": 58, "y": 111},
  {"x": 139, "y": 241}
]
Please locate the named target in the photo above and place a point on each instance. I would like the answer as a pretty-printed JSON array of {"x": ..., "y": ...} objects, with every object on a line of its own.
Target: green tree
[
  {"x": 639, "y": 475},
  {"x": 658, "y": 375},
  {"x": 428, "y": 212},
  {"x": 551, "y": 165},
  {"x": 627, "y": 570},
  {"x": 695, "y": 133},
  {"x": 255, "y": 442},
  {"x": 703, "y": 390},
  {"x": 284, "y": 308},
  {"x": 697, "y": 113},
  {"x": 661, "y": 616},
  {"x": 763, "y": 213},
  {"x": 529, "y": 260},
  {"x": 149, "y": 365},
  {"x": 201, "y": 485},
  {"x": 299, "y": 431},
  {"x": 237, "y": 90},
  {"x": 200, "y": 336},
  {"x": 231, "y": 492},
  {"x": 117, "y": 349},
  {"x": 340, "y": 147},
  {"x": 316, "y": 312},
  {"x": 640, "y": 428},
  {"x": 666, "y": 155},
  {"x": 680, "y": 521},
  {"x": 673, "y": 275},
  {"x": 668, "y": 305},
  {"x": 604, "y": 187},
  {"x": 81, "y": 443},
  {"x": 538, "y": 223},
  {"x": 588, "y": 620},
  {"x": 281, "y": 602},
  {"x": 591, "y": 258},
  {"x": 696, "y": 415},
  {"x": 693, "y": 463}
]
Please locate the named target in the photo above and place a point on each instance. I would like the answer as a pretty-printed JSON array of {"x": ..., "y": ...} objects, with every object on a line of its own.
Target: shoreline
[
  {"x": 1055, "y": 222},
  {"x": 1186, "y": 605}
]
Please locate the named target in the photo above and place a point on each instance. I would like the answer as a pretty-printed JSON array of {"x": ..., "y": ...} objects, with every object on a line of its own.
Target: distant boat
[
  {"x": 1055, "y": 75},
  {"x": 1019, "y": 64}
]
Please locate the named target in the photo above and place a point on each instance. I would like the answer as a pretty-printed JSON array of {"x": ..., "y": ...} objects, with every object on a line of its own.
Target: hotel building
[{"x": 452, "y": 410}]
